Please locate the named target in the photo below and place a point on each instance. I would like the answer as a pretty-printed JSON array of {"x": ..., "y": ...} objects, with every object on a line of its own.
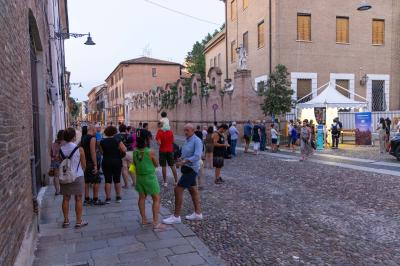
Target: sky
[{"x": 122, "y": 29}]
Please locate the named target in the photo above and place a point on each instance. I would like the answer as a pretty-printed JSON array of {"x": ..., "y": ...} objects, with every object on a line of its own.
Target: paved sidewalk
[{"x": 114, "y": 236}]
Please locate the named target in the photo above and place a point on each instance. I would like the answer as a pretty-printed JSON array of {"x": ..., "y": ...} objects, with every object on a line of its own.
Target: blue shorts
[{"x": 188, "y": 178}]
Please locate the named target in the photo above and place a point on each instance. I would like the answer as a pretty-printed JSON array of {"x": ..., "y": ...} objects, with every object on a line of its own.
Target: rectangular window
[
  {"x": 154, "y": 72},
  {"x": 343, "y": 83},
  {"x": 261, "y": 34},
  {"x": 233, "y": 51},
  {"x": 378, "y": 31},
  {"x": 303, "y": 27},
  {"x": 342, "y": 30},
  {"x": 304, "y": 88},
  {"x": 378, "y": 96},
  {"x": 246, "y": 41},
  {"x": 233, "y": 10},
  {"x": 219, "y": 60},
  {"x": 245, "y": 4},
  {"x": 215, "y": 61},
  {"x": 211, "y": 63}
]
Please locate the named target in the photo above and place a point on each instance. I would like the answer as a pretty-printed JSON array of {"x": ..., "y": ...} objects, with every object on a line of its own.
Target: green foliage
[
  {"x": 205, "y": 90},
  {"x": 195, "y": 59},
  {"x": 75, "y": 108},
  {"x": 173, "y": 97},
  {"x": 188, "y": 91},
  {"x": 169, "y": 99},
  {"x": 278, "y": 94},
  {"x": 165, "y": 100}
]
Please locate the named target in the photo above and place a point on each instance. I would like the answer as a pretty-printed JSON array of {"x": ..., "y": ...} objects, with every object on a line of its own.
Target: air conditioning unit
[{"x": 53, "y": 94}]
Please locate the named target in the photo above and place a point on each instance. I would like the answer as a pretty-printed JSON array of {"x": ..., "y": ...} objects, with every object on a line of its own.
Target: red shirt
[{"x": 166, "y": 138}]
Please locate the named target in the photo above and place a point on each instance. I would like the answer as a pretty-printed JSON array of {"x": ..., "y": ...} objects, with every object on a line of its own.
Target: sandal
[
  {"x": 65, "y": 224},
  {"x": 81, "y": 224},
  {"x": 159, "y": 227}
]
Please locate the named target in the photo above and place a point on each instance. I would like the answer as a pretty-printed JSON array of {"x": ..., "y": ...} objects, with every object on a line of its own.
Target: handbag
[
  {"x": 51, "y": 172},
  {"x": 132, "y": 168}
]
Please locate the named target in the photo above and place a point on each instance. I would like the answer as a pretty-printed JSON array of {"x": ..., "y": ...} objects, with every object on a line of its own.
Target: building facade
[
  {"x": 101, "y": 99},
  {"x": 136, "y": 76},
  {"x": 31, "y": 111},
  {"x": 215, "y": 56},
  {"x": 318, "y": 41}
]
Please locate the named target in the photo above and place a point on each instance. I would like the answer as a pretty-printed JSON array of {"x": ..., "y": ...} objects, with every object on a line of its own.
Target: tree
[
  {"x": 74, "y": 108},
  {"x": 278, "y": 94},
  {"x": 195, "y": 59}
]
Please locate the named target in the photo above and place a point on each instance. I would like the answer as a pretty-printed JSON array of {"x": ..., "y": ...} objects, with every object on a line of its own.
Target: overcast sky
[{"x": 122, "y": 29}]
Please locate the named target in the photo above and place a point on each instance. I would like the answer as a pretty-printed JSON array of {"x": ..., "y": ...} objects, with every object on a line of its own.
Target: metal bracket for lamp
[
  {"x": 66, "y": 35},
  {"x": 364, "y": 80}
]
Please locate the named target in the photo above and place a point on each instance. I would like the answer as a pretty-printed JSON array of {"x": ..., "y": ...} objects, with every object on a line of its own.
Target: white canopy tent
[{"x": 330, "y": 99}]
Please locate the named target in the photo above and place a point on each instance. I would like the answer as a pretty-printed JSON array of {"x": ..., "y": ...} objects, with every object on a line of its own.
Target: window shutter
[
  {"x": 304, "y": 27},
  {"x": 342, "y": 30},
  {"x": 378, "y": 31}
]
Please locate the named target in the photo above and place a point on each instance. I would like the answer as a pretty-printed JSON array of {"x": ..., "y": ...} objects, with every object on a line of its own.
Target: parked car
[{"x": 395, "y": 146}]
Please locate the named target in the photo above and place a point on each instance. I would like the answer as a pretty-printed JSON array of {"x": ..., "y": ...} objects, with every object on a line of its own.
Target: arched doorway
[{"x": 35, "y": 48}]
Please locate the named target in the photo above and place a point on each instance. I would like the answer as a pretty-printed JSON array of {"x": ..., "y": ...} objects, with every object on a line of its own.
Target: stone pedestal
[{"x": 245, "y": 103}]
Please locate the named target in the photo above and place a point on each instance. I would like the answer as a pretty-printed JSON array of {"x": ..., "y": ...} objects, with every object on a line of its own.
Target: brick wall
[{"x": 16, "y": 210}]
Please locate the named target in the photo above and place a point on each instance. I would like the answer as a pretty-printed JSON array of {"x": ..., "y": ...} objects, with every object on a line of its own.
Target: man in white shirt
[{"x": 234, "y": 137}]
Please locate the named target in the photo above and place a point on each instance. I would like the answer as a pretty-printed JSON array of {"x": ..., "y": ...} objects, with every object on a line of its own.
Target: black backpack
[{"x": 335, "y": 130}]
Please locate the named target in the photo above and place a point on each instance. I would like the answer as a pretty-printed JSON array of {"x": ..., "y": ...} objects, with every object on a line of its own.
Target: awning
[{"x": 330, "y": 97}]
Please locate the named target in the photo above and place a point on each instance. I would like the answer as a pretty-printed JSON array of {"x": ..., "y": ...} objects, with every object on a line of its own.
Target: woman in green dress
[{"x": 146, "y": 180}]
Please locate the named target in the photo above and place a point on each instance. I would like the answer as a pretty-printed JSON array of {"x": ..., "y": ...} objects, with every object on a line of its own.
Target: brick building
[
  {"x": 31, "y": 111},
  {"x": 136, "y": 76},
  {"x": 318, "y": 41}
]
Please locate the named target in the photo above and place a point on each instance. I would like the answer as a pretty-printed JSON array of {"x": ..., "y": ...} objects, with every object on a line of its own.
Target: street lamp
[
  {"x": 364, "y": 6},
  {"x": 76, "y": 84},
  {"x": 66, "y": 35}
]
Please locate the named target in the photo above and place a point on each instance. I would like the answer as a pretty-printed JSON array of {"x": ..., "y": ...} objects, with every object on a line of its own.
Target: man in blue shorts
[{"x": 190, "y": 167}]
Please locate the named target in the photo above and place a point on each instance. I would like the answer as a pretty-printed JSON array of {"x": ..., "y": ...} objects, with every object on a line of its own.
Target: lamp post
[
  {"x": 79, "y": 84},
  {"x": 66, "y": 35},
  {"x": 364, "y": 6}
]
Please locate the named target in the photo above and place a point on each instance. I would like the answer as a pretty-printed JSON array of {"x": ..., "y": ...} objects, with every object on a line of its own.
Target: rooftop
[{"x": 147, "y": 60}]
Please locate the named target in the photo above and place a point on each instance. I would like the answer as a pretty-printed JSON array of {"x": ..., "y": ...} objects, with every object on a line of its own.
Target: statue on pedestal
[{"x": 242, "y": 57}]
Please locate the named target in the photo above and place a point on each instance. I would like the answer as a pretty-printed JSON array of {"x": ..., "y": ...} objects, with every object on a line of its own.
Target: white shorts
[{"x": 256, "y": 146}]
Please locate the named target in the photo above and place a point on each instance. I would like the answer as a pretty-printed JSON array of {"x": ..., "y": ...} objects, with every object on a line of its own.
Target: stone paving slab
[{"x": 114, "y": 236}]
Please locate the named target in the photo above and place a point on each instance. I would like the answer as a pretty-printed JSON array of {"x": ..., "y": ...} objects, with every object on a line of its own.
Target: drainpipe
[
  {"x": 270, "y": 36},
  {"x": 226, "y": 41}
]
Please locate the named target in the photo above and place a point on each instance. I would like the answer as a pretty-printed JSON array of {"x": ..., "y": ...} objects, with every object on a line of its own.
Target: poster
[
  {"x": 320, "y": 137},
  {"x": 320, "y": 115},
  {"x": 363, "y": 128}
]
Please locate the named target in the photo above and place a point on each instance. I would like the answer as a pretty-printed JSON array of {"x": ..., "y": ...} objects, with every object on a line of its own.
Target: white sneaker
[
  {"x": 194, "y": 217},
  {"x": 172, "y": 220},
  {"x": 165, "y": 184}
]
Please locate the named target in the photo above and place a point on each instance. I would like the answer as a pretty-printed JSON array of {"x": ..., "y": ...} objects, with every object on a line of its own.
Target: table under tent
[{"x": 327, "y": 103}]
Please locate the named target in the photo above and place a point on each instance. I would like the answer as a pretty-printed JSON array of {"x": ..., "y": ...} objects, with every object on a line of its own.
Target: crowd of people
[{"x": 78, "y": 166}]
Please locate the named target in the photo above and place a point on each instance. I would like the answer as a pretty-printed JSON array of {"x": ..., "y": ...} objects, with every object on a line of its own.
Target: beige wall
[
  {"x": 322, "y": 55},
  {"x": 247, "y": 21},
  {"x": 216, "y": 51},
  {"x": 138, "y": 78},
  {"x": 131, "y": 78}
]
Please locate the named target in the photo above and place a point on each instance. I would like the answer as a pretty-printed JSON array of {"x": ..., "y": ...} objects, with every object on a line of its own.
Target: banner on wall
[
  {"x": 363, "y": 122},
  {"x": 320, "y": 115}
]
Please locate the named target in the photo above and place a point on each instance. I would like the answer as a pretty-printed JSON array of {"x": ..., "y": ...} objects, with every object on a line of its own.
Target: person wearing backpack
[
  {"x": 335, "y": 131},
  {"x": 71, "y": 176}
]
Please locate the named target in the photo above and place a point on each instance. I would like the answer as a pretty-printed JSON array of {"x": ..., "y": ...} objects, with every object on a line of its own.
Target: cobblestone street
[
  {"x": 114, "y": 236},
  {"x": 279, "y": 211}
]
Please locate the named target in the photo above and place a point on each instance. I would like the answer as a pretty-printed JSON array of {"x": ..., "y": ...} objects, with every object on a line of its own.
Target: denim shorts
[{"x": 188, "y": 178}]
